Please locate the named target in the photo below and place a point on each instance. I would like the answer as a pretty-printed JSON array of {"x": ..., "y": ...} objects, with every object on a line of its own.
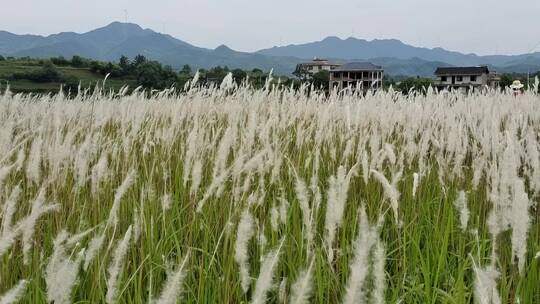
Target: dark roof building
[
  {"x": 465, "y": 78},
  {"x": 474, "y": 70},
  {"x": 358, "y": 66},
  {"x": 306, "y": 70},
  {"x": 357, "y": 76}
]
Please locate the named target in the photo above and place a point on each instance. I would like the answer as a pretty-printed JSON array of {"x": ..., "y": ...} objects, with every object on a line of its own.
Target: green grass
[
  {"x": 429, "y": 259},
  {"x": 87, "y": 78}
]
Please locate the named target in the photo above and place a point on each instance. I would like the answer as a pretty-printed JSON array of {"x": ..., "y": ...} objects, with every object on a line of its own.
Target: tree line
[{"x": 147, "y": 73}]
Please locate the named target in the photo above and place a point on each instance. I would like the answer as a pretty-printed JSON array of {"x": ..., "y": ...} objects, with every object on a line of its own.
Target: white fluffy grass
[
  {"x": 244, "y": 234},
  {"x": 173, "y": 286},
  {"x": 303, "y": 287},
  {"x": 359, "y": 265},
  {"x": 15, "y": 294},
  {"x": 115, "y": 268},
  {"x": 485, "y": 285},
  {"x": 461, "y": 205},
  {"x": 266, "y": 275}
]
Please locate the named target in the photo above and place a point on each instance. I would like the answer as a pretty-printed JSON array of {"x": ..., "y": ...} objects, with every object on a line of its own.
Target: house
[
  {"x": 465, "y": 78},
  {"x": 308, "y": 69},
  {"x": 362, "y": 75}
]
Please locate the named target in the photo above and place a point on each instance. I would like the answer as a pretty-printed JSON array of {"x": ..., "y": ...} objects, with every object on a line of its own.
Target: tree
[
  {"x": 239, "y": 75},
  {"x": 301, "y": 72},
  {"x": 2, "y": 58},
  {"x": 138, "y": 60},
  {"x": 186, "y": 70},
  {"x": 321, "y": 80},
  {"x": 125, "y": 64},
  {"x": 49, "y": 73},
  {"x": 152, "y": 75},
  {"x": 60, "y": 60},
  {"x": 77, "y": 61},
  {"x": 506, "y": 81},
  {"x": 418, "y": 84}
]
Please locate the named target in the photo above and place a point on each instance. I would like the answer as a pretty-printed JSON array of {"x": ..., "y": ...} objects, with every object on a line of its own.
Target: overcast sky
[{"x": 479, "y": 26}]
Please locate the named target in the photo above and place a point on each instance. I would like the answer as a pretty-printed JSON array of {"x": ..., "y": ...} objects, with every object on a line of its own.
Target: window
[
  {"x": 444, "y": 78},
  {"x": 473, "y": 78},
  {"x": 459, "y": 78}
]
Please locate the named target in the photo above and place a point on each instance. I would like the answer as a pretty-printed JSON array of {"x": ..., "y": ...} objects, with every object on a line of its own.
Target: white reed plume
[
  {"x": 115, "y": 268},
  {"x": 283, "y": 210},
  {"x": 7, "y": 239},
  {"x": 129, "y": 180},
  {"x": 100, "y": 172},
  {"x": 266, "y": 275},
  {"x": 485, "y": 285},
  {"x": 390, "y": 190},
  {"x": 94, "y": 246},
  {"x": 365, "y": 167},
  {"x": 196, "y": 176},
  {"x": 461, "y": 205},
  {"x": 389, "y": 152},
  {"x": 4, "y": 173},
  {"x": 359, "y": 268},
  {"x": 166, "y": 202},
  {"x": 19, "y": 162},
  {"x": 379, "y": 281},
  {"x": 302, "y": 288},
  {"x": 520, "y": 221},
  {"x": 274, "y": 217},
  {"x": 244, "y": 234},
  {"x": 227, "y": 83},
  {"x": 224, "y": 147},
  {"x": 33, "y": 166},
  {"x": 39, "y": 208},
  {"x": 61, "y": 272},
  {"x": 10, "y": 208},
  {"x": 15, "y": 294},
  {"x": 173, "y": 286},
  {"x": 337, "y": 198},
  {"x": 416, "y": 182},
  {"x": 282, "y": 291},
  {"x": 303, "y": 199}
]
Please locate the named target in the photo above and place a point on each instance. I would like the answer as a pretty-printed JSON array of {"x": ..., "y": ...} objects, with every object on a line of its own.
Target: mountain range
[{"x": 110, "y": 42}]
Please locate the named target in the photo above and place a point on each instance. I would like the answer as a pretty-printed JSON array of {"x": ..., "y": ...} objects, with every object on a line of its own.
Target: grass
[
  {"x": 429, "y": 258},
  {"x": 87, "y": 78}
]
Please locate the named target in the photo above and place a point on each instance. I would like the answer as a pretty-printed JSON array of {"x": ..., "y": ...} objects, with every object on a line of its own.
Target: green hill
[{"x": 85, "y": 76}]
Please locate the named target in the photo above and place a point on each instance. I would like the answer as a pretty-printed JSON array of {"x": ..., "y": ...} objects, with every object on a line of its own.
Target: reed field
[{"x": 235, "y": 195}]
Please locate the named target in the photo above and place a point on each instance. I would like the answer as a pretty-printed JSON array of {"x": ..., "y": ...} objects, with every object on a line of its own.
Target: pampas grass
[
  {"x": 115, "y": 268},
  {"x": 13, "y": 295},
  {"x": 266, "y": 275},
  {"x": 173, "y": 286},
  {"x": 244, "y": 234},
  {"x": 302, "y": 288},
  {"x": 226, "y": 172}
]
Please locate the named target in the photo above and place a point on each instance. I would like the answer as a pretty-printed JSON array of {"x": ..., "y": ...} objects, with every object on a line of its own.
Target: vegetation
[
  {"x": 33, "y": 75},
  {"x": 236, "y": 195}
]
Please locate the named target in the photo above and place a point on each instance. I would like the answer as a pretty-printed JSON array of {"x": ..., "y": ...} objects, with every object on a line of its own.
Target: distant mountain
[
  {"x": 110, "y": 42},
  {"x": 116, "y": 39},
  {"x": 352, "y": 48}
]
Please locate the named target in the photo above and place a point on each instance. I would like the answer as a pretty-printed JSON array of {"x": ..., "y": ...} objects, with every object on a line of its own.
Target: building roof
[
  {"x": 358, "y": 66},
  {"x": 322, "y": 62},
  {"x": 473, "y": 70}
]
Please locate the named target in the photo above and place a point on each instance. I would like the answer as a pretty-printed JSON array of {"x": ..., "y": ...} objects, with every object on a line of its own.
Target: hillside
[
  {"x": 353, "y": 48},
  {"x": 86, "y": 77},
  {"x": 110, "y": 42}
]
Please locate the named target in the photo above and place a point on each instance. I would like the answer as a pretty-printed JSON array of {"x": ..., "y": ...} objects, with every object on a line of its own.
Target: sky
[{"x": 483, "y": 27}]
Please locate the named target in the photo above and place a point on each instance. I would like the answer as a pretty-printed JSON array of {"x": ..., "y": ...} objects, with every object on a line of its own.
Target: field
[
  {"x": 86, "y": 77},
  {"x": 235, "y": 195}
]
